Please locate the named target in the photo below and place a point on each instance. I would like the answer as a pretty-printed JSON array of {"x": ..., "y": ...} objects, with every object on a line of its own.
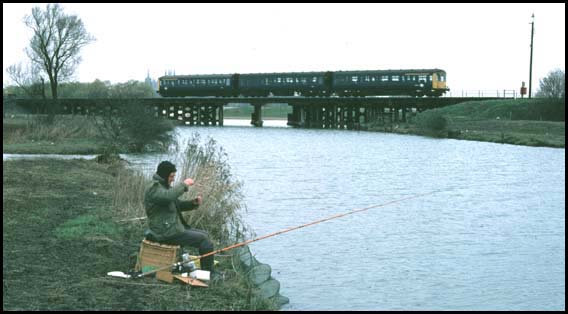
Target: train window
[
  {"x": 354, "y": 79},
  {"x": 314, "y": 79},
  {"x": 373, "y": 78},
  {"x": 395, "y": 78},
  {"x": 304, "y": 80},
  {"x": 279, "y": 80},
  {"x": 289, "y": 80},
  {"x": 422, "y": 78},
  {"x": 384, "y": 78},
  {"x": 430, "y": 78}
]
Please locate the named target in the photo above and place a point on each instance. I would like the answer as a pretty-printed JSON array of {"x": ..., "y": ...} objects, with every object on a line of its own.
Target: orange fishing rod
[{"x": 280, "y": 232}]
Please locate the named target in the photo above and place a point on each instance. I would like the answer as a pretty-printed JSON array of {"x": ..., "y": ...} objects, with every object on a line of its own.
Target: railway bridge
[{"x": 307, "y": 112}]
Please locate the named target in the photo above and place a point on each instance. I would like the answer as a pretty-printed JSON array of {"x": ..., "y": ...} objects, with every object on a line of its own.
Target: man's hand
[
  {"x": 198, "y": 200},
  {"x": 188, "y": 181}
]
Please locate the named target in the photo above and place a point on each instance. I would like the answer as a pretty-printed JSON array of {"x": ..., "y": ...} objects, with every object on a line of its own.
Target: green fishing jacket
[{"x": 163, "y": 208}]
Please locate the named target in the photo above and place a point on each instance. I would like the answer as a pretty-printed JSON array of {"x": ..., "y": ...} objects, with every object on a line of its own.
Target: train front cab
[{"x": 439, "y": 86}]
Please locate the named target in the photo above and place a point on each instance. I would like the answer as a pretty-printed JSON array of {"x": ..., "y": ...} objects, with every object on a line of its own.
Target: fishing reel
[{"x": 187, "y": 266}]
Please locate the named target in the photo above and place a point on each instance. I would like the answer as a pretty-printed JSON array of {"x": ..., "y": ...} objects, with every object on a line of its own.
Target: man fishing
[{"x": 165, "y": 221}]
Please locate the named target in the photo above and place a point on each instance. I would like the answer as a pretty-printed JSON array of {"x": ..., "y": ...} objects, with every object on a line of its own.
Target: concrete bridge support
[
  {"x": 192, "y": 114},
  {"x": 256, "y": 115}
]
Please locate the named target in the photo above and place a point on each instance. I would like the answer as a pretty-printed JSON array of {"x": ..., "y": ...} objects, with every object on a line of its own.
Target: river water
[{"x": 491, "y": 237}]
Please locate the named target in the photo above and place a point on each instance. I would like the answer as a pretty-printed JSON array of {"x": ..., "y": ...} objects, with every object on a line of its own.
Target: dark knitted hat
[{"x": 165, "y": 168}]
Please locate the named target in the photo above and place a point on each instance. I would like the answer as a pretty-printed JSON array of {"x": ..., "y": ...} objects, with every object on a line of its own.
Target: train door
[
  {"x": 235, "y": 85},
  {"x": 327, "y": 83}
]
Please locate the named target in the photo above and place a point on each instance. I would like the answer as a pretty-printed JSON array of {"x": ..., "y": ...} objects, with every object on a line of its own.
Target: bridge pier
[
  {"x": 197, "y": 114},
  {"x": 346, "y": 116},
  {"x": 256, "y": 116}
]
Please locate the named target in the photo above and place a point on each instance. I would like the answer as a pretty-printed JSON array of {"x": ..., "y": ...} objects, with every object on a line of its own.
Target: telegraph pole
[{"x": 530, "y": 69}]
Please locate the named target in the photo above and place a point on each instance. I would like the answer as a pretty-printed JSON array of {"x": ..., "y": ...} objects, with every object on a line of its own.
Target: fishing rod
[{"x": 271, "y": 235}]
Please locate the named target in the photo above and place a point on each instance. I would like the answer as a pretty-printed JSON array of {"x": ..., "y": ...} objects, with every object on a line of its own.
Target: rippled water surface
[{"x": 491, "y": 237}]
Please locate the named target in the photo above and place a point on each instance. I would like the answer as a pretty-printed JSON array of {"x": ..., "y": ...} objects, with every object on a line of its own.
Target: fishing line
[{"x": 284, "y": 231}]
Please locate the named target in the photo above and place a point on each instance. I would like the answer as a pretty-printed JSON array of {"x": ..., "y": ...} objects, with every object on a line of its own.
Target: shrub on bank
[
  {"x": 432, "y": 122},
  {"x": 133, "y": 128}
]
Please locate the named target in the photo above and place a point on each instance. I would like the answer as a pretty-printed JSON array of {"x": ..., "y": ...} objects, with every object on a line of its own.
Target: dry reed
[{"x": 206, "y": 163}]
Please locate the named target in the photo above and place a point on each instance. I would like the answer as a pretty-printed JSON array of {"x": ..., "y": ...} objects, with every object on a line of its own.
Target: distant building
[{"x": 152, "y": 83}]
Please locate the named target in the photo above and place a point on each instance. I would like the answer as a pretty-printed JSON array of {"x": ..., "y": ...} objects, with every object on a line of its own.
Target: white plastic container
[{"x": 200, "y": 274}]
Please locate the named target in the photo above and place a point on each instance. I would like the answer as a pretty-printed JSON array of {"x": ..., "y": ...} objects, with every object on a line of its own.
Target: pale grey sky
[{"x": 481, "y": 46}]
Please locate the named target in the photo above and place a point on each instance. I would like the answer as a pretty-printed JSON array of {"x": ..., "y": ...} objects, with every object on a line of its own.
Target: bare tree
[
  {"x": 56, "y": 42},
  {"x": 553, "y": 86},
  {"x": 28, "y": 78}
]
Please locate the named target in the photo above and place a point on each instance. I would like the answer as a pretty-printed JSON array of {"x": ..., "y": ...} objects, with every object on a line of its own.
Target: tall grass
[
  {"x": 206, "y": 163},
  {"x": 35, "y": 128}
]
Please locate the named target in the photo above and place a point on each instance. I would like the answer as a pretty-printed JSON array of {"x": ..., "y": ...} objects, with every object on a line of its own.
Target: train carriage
[
  {"x": 196, "y": 85},
  {"x": 282, "y": 84},
  {"x": 421, "y": 82}
]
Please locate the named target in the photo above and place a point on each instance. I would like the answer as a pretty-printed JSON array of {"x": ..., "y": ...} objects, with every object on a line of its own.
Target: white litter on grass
[
  {"x": 200, "y": 274},
  {"x": 118, "y": 274}
]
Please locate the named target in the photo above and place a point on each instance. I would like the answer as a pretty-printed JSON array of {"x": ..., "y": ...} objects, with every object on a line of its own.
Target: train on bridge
[{"x": 412, "y": 82}]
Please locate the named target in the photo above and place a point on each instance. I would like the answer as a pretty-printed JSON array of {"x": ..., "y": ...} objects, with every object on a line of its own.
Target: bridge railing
[{"x": 504, "y": 93}]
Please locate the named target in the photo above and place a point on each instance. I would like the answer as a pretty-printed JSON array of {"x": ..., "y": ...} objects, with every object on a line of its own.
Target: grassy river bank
[
  {"x": 65, "y": 226},
  {"x": 529, "y": 122}
]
